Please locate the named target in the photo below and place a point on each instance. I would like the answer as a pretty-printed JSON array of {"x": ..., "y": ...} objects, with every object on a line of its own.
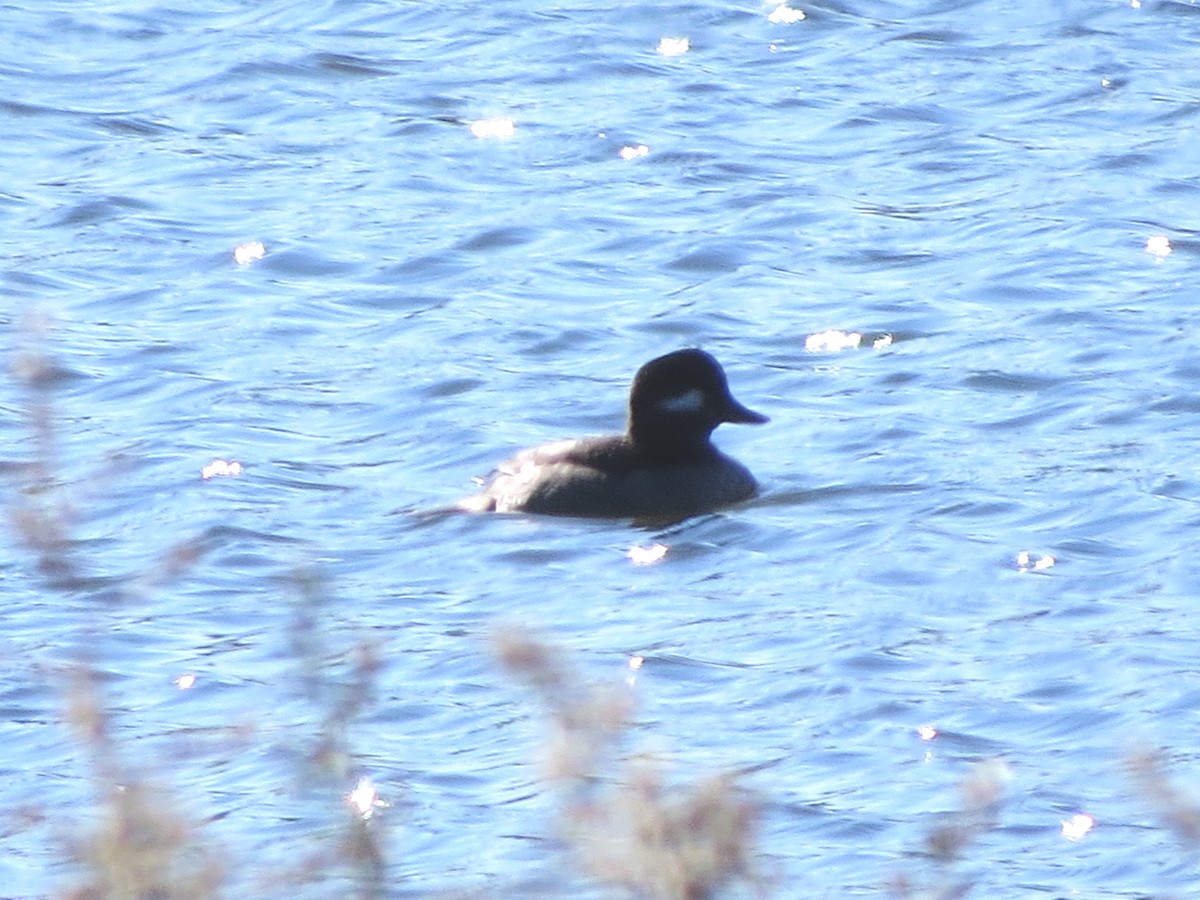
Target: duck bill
[{"x": 740, "y": 415}]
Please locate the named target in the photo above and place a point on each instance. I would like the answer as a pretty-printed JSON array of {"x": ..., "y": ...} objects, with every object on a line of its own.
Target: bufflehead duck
[{"x": 664, "y": 467}]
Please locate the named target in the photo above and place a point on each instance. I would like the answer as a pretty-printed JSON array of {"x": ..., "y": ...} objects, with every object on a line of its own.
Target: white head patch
[{"x": 688, "y": 401}]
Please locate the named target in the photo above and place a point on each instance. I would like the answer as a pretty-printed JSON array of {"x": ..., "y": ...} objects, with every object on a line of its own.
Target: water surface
[{"x": 1008, "y": 191}]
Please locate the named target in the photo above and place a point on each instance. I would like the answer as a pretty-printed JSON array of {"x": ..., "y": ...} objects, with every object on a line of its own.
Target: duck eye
[{"x": 689, "y": 401}]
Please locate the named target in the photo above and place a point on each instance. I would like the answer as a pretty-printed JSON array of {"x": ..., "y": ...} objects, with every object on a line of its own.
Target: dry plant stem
[
  {"x": 981, "y": 791},
  {"x": 141, "y": 846},
  {"x": 624, "y": 824},
  {"x": 41, "y": 517},
  {"x": 339, "y": 684},
  {"x": 1176, "y": 810}
]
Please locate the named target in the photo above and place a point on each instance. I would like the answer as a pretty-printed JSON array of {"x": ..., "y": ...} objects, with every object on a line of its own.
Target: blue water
[{"x": 986, "y": 183}]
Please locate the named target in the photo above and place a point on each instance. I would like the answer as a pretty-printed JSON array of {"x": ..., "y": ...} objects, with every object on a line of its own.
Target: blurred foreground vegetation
[{"x": 621, "y": 820}]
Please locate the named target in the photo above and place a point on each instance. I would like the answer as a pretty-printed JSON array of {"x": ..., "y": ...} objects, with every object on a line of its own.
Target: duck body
[{"x": 663, "y": 467}]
